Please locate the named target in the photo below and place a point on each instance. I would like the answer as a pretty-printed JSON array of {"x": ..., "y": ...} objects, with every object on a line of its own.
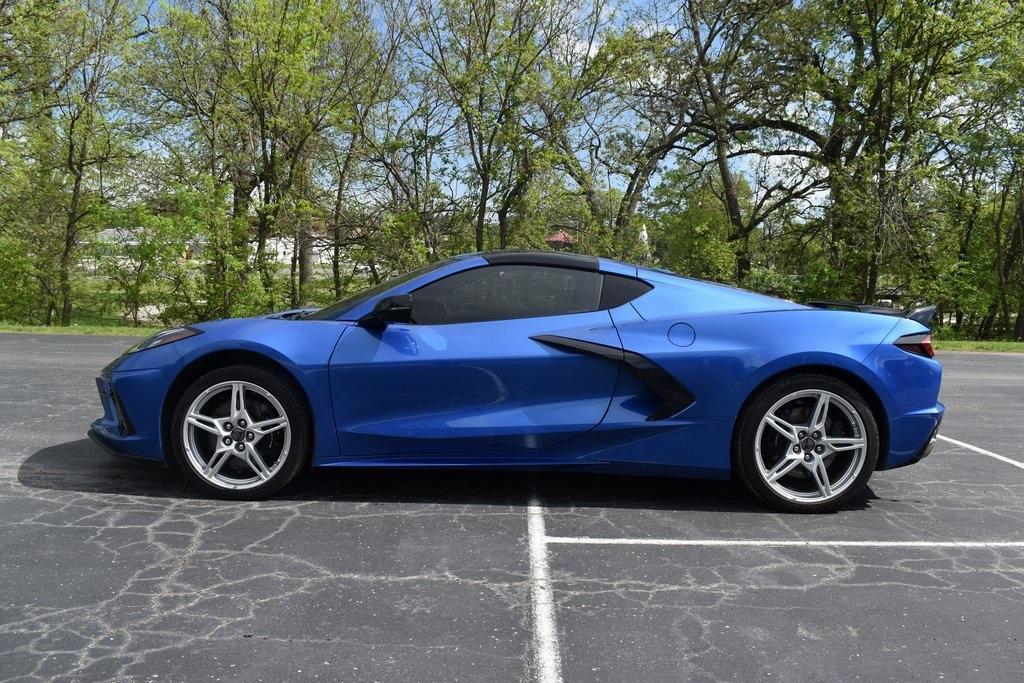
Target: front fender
[{"x": 302, "y": 348}]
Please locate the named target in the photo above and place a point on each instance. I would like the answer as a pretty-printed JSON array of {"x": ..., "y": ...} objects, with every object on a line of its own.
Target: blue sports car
[{"x": 537, "y": 360}]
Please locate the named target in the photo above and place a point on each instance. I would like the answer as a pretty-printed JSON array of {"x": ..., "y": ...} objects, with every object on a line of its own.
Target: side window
[
  {"x": 504, "y": 292},
  {"x": 618, "y": 290}
]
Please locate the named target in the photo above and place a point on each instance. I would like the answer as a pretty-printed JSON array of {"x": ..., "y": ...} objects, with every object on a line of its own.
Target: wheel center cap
[
  {"x": 808, "y": 444},
  {"x": 238, "y": 434}
]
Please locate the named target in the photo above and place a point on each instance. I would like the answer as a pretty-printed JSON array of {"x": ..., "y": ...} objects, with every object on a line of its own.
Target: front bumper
[
  {"x": 116, "y": 431},
  {"x": 104, "y": 440},
  {"x": 114, "y": 421}
]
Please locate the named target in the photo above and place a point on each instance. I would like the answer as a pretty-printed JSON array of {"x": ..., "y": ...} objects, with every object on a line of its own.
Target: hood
[{"x": 291, "y": 313}]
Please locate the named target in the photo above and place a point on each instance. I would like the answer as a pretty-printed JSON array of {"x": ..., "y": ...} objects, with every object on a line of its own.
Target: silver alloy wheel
[
  {"x": 810, "y": 446},
  {"x": 238, "y": 441}
]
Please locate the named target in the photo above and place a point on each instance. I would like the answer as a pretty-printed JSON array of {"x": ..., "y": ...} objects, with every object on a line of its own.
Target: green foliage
[
  {"x": 19, "y": 293},
  {"x": 209, "y": 159},
  {"x": 133, "y": 252},
  {"x": 944, "y": 346},
  {"x": 212, "y": 278},
  {"x": 690, "y": 229}
]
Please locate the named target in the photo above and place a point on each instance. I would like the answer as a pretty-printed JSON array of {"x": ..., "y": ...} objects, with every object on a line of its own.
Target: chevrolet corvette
[{"x": 537, "y": 360}]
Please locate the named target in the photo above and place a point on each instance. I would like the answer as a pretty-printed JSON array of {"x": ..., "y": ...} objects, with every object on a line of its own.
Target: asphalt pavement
[{"x": 116, "y": 569}]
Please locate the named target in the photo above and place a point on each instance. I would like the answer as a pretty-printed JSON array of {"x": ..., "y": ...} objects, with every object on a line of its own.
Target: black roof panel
[{"x": 541, "y": 258}]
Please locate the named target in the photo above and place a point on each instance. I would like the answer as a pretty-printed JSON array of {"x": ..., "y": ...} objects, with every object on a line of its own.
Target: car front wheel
[
  {"x": 241, "y": 432},
  {"x": 807, "y": 444}
]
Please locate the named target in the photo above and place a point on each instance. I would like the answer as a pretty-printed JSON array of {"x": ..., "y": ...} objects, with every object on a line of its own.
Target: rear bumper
[
  {"x": 912, "y": 436},
  {"x": 926, "y": 449},
  {"x": 908, "y": 386}
]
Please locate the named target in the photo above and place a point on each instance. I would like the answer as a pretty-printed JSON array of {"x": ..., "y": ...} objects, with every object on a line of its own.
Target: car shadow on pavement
[{"x": 81, "y": 466}]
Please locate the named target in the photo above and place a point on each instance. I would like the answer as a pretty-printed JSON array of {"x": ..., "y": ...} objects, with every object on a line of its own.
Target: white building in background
[
  {"x": 278, "y": 249},
  {"x": 104, "y": 244},
  {"x": 126, "y": 236},
  {"x": 110, "y": 241}
]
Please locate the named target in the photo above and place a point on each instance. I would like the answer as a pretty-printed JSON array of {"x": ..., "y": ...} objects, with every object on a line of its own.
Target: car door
[{"x": 469, "y": 374}]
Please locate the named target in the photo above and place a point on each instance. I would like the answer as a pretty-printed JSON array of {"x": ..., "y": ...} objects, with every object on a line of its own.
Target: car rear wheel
[
  {"x": 807, "y": 444},
  {"x": 240, "y": 432}
]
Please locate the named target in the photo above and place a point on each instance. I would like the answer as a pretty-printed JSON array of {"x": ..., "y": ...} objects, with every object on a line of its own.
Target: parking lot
[{"x": 112, "y": 568}]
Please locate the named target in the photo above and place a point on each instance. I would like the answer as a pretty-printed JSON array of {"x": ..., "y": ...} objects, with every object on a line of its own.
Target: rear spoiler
[{"x": 922, "y": 315}]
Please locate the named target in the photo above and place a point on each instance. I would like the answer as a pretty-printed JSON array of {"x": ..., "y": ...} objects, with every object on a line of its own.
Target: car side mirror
[{"x": 390, "y": 309}]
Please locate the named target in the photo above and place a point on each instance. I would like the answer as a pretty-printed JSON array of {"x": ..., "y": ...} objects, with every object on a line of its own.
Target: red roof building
[{"x": 558, "y": 240}]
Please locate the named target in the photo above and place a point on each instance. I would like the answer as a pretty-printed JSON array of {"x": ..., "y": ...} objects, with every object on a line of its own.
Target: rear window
[{"x": 619, "y": 290}]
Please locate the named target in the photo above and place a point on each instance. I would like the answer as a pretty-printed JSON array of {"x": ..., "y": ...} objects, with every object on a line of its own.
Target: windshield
[{"x": 339, "y": 309}]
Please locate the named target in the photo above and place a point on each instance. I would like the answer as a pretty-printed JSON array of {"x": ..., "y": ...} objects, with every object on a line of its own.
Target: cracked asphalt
[{"x": 116, "y": 570}]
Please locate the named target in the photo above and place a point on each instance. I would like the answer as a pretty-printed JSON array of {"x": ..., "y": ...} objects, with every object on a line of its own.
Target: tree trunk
[
  {"x": 1018, "y": 330},
  {"x": 630, "y": 199},
  {"x": 512, "y": 198},
  {"x": 871, "y": 286},
  {"x": 503, "y": 227},
  {"x": 336, "y": 260},
  {"x": 305, "y": 264},
  {"x": 293, "y": 289},
  {"x": 262, "y": 265},
  {"x": 336, "y": 242},
  {"x": 70, "y": 234},
  {"x": 985, "y": 326},
  {"x": 732, "y": 201},
  {"x": 833, "y": 219},
  {"x": 743, "y": 261},
  {"x": 481, "y": 210},
  {"x": 339, "y": 198}
]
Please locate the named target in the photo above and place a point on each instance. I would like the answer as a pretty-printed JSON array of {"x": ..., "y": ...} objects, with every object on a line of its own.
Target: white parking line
[
  {"x": 547, "y": 658},
  {"x": 1002, "y": 458},
  {"x": 742, "y": 542}
]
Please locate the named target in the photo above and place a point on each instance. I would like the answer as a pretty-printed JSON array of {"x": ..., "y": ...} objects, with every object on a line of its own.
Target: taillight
[{"x": 921, "y": 344}]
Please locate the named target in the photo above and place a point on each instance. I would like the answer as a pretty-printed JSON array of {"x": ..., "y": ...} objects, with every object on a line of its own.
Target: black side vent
[{"x": 674, "y": 396}]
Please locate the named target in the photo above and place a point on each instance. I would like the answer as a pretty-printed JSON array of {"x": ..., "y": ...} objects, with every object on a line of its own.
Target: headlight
[{"x": 166, "y": 337}]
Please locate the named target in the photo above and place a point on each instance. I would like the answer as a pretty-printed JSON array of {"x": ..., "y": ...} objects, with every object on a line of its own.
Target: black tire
[
  {"x": 745, "y": 458},
  {"x": 297, "y": 446}
]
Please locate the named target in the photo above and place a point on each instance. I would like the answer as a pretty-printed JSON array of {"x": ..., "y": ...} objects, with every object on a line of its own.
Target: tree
[
  {"x": 485, "y": 53},
  {"x": 301, "y": 150},
  {"x": 72, "y": 132},
  {"x": 858, "y": 87},
  {"x": 135, "y": 253}
]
